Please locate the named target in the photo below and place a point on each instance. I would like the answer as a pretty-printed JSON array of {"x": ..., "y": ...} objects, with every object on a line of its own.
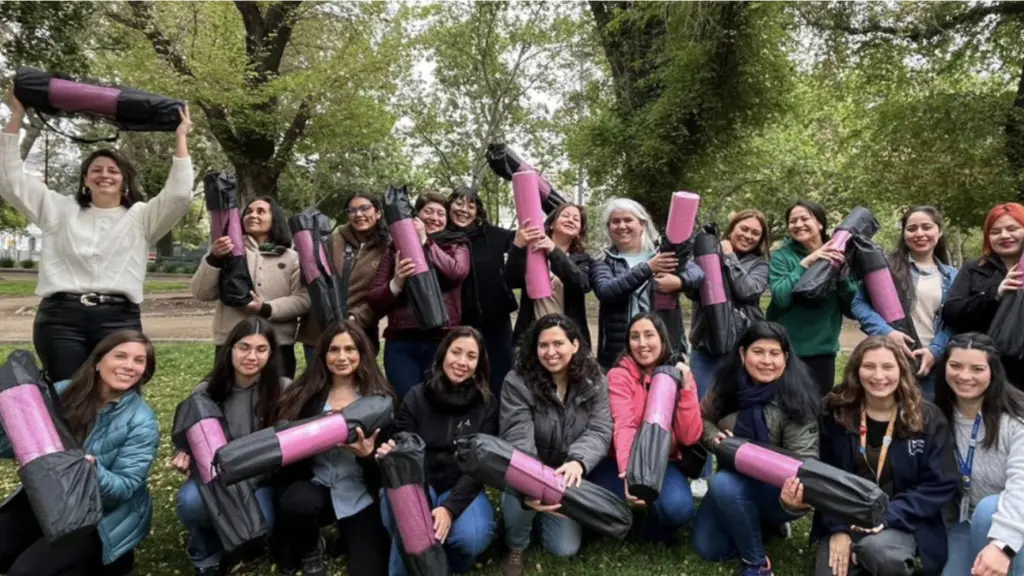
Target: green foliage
[
  {"x": 11, "y": 219},
  {"x": 27, "y": 264},
  {"x": 6, "y": 262}
]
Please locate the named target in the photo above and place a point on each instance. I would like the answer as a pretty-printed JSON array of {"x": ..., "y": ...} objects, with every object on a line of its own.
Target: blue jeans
[
  {"x": 406, "y": 361},
  {"x": 703, "y": 365},
  {"x": 673, "y": 508},
  {"x": 204, "y": 547},
  {"x": 470, "y": 535},
  {"x": 561, "y": 537},
  {"x": 729, "y": 520},
  {"x": 966, "y": 540}
]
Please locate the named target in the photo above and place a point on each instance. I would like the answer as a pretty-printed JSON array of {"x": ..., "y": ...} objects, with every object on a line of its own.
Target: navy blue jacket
[{"x": 924, "y": 477}]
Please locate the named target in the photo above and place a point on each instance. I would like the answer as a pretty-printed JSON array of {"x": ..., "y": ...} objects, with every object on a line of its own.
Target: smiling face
[
  {"x": 555, "y": 350},
  {"x": 463, "y": 211},
  {"x": 1006, "y": 236},
  {"x": 879, "y": 373},
  {"x": 461, "y": 359},
  {"x": 626, "y": 231},
  {"x": 258, "y": 219},
  {"x": 802, "y": 226},
  {"x": 968, "y": 373},
  {"x": 342, "y": 356},
  {"x": 645, "y": 343},
  {"x": 433, "y": 216},
  {"x": 764, "y": 360},
  {"x": 568, "y": 224},
  {"x": 104, "y": 179},
  {"x": 921, "y": 234},
  {"x": 122, "y": 367},
  {"x": 249, "y": 356},
  {"x": 362, "y": 214},
  {"x": 746, "y": 235}
]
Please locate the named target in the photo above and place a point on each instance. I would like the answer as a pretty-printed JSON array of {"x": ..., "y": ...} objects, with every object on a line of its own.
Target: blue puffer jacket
[{"x": 124, "y": 441}]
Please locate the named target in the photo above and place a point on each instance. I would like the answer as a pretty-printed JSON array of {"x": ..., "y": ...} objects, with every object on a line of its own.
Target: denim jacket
[{"x": 872, "y": 323}]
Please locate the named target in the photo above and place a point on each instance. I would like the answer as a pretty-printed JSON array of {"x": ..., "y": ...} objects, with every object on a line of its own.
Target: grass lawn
[
  {"x": 181, "y": 366},
  {"x": 18, "y": 287}
]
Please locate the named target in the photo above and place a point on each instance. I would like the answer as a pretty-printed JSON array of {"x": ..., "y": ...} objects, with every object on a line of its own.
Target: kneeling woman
[
  {"x": 105, "y": 411},
  {"x": 988, "y": 426},
  {"x": 340, "y": 486},
  {"x": 246, "y": 385},
  {"x": 761, "y": 392},
  {"x": 554, "y": 405},
  {"x": 878, "y": 426},
  {"x": 456, "y": 401},
  {"x": 628, "y": 383}
]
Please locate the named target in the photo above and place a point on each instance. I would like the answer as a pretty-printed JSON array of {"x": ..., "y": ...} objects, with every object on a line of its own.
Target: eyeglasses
[{"x": 361, "y": 209}]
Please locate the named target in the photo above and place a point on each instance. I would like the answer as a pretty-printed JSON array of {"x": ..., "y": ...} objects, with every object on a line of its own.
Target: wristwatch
[{"x": 1010, "y": 553}]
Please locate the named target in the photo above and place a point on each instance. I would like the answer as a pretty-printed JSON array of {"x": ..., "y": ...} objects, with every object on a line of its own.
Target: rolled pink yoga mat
[
  {"x": 682, "y": 213},
  {"x": 307, "y": 259},
  {"x": 412, "y": 515},
  {"x": 527, "y": 198},
  {"x": 228, "y": 223},
  {"x": 884, "y": 298},
  {"x": 301, "y": 442},
  {"x": 661, "y": 401},
  {"x": 204, "y": 439},
  {"x": 532, "y": 478},
  {"x": 839, "y": 241},
  {"x": 712, "y": 290},
  {"x": 407, "y": 241},
  {"x": 77, "y": 97},
  {"x": 28, "y": 424},
  {"x": 765, "y": 465}
]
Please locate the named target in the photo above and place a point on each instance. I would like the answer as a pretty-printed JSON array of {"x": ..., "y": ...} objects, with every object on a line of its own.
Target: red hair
[{"x": 1011, "y": 209}]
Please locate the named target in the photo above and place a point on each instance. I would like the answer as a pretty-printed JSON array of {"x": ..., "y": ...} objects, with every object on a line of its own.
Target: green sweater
[{"x": 814, "y": 331}]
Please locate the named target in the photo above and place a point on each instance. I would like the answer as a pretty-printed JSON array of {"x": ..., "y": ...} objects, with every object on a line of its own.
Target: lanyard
[
  {"x": 886, "y": 441},
  {"x": 967, "y": 464}
]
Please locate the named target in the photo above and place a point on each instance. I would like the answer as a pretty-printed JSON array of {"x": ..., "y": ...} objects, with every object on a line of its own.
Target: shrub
[
  {"x": 27, "y": 264},
  {"x": 151, "y": 267},
  {"x": 6, "y": 262}
]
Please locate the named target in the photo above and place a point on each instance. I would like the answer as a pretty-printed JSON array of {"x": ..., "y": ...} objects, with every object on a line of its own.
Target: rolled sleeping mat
[
  {"x": 504, "y": 162},
  {"x": 422, "y": 288},
  {"x": 527, "y": 199},
  {"x": 126, "y": 108},
  {"x": 872, "y": 267},
  {"x": 652, "y": 445},
  {"x": 265, "y": 451},
  {"x": 200, "y": 430},
  {"x": 682, "y": 215},
  {"x": 310, "y": 232},
  {"x": 819, "y": 281},
  {"x": 714, "y": 292},
  {"x": 60, "y": 484},
  {"x": 220, "y": 190},
  {"x": 404, "y": 475},
  {"x": 496, "y": 463},
  {"x": 847, "y": 497}
]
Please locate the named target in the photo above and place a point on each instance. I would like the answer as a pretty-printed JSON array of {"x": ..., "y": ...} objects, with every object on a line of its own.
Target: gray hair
[{"x": 649, "y": 237}]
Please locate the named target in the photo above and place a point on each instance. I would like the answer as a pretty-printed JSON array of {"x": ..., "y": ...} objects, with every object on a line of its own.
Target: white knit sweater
[{"x": 102, "y": 250}]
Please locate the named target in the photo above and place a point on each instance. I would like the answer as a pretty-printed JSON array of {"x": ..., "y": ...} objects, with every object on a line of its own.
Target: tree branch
[
  {"x": 144, "y": 21},
  {"x": 926, "y": 30},
  {"x": 444, "y": 158},
  {"x": 266, "y": 37},
  {"x": 283, "y": 153}
]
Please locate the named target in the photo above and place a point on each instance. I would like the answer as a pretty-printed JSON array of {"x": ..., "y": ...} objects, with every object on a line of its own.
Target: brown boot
[{"x": 514, "y": 563}]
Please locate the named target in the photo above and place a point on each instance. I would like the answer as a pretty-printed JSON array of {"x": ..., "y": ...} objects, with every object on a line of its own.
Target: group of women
[{"x": 548, "y": 386}]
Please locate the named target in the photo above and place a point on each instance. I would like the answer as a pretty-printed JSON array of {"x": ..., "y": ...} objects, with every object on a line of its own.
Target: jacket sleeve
[
  {"x": 26, "y": 193},
  {"x": 572, "y": 276},
  {"x": 688, "y": 426},
  {"x": 130, "y": 468},
  {"x": 379, "y": 298},
  {"x": 747, "y": 285},
  {"x": 515, "y": 268},
  {"x": 405, "y": 418},
  {"x": 609, "y": 288},
  {"x": 455, "y": 267},
  {"x": 709, "y": 417},
  {"x": 625, "y": 421},
  {"x": 296, "y": 303},
  {"x": 466, "y": 489},
  {"x": 516, "y": 417},
  {"x": 871, "y": 322},
  {"x": 692, "y": 277},
  {"x": 205, "y": 284},
  {"x": 783, "y": 274},
  {"x": 160, "y": 214},
  {"x": 846, "y": 291},
  {"x": 1008, "y": 521},
  {"x": 966, "y": 310},
  {"x": 937, "y": 475},
  {"x": 801, "y": 438},
  {"x": 592, "y": 446}
]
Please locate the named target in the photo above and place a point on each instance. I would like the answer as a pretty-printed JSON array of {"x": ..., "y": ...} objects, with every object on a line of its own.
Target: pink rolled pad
[
  {"x": 28, "y": 423},
  {"x": 838, "y": 241},
  {"x": 307, "y": 260},
  {"x": 712, "y": 290},
  {"x": 412, "y": 515},
  {"x": 77, "y": 97},
  {"x": 883, "y": 295},
  {"x": 407, "y": 241},
  {"x": 312, "y": 438},
  {"x": 204, "y": 439},
  {"x": 765, "y": 465},
  {"x": 526, "y": 193},
  {"x": 661, "y": 401},
  {"x": 682, "y": 213},
  {"x": 221, "y": 220},
  {"x": 532, "y": 478}
]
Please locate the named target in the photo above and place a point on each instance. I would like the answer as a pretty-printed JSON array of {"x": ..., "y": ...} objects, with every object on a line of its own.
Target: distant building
[{"x": 21, "y": 244}]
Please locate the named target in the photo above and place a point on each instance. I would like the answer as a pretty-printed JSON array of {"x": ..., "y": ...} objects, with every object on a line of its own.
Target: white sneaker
[{"x": 699, "y": 488}]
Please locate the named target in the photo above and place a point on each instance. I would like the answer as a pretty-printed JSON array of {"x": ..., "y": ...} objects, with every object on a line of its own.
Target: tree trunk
[
  {"x": 165, "y": 245},
  {"x": 1015, "y": 137},
  {"x": 256, "y": 179}
]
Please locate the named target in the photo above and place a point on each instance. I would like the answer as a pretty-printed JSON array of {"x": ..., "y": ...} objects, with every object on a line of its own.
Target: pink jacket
[{"x": 627, "y": 394}]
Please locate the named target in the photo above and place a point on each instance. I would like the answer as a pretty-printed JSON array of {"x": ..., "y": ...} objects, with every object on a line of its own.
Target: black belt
[{"x": 90, "y": 298}]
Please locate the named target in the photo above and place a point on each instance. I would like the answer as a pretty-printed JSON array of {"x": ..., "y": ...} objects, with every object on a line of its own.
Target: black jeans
[
  {"x": 286, "y": 361},
  {"x": 24, "y": 550},
  {"x": 823, "y": 371},
  {"x": 65, "y": 333},
  {"x": 498, "y": 339},
  {"x": 304, "y": 507}
]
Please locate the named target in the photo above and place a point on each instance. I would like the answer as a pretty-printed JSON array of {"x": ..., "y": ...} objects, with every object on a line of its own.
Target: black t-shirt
[{"x": 876, "y": 432}]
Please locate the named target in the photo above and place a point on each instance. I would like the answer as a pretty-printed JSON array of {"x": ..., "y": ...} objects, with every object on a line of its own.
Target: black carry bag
[{"x": 221, "y": 192}]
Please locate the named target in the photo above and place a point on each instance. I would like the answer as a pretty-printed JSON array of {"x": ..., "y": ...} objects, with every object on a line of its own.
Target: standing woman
[
  {"x": 95, "y": 243},
  {"x": 921, "y": 270},
  {"x": 339, "y": 486},
  {"x": 356, "y": 249},
  {"x": 981, "y": 284},
  {"x": 278, "y": 292},
  {"x": 454, "y": 402},
  {"x": 628, "y": 272},
  {"x": 409, "y": 350},
  {"x": 814, "y": 330},
  {"x": 564, "y": 241},
  {"x": 878, "y": 426},
  {"x": 554, "y": 405},
  {"x": 988, "y": 425},
  {"x": 104, "y": 409},
  {"x": 245, "y": 383}
]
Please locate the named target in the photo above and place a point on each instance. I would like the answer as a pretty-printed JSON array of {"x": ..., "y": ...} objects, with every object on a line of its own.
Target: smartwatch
[{"x": 1010, "y": 553}]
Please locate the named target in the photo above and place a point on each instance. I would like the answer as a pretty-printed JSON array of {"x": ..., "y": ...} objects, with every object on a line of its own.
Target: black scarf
[{"x": 447, "y": 398}]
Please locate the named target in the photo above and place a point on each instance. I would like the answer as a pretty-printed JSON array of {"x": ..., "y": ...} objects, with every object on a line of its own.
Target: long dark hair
[
  {"x": 660, "y": 328},
  {"x": 82, "y": 399},
  {"x": 221, "y": 379},
  {"x": 817, "y": 212},
  {"x": 470, "y": 195},
  {"x": 317, "y": 377},
  {"x": 582, "y": 369},
  {"x": 481, "y": 377},
  {"x": 796, "y": 393},
  {"x": 280, "y": 234},
  {"x": 579, "y": 243},
  {"x": 132, "y": 191},
  {"x": 846, "y": 399},
  {"x": 1000, "y": 397},
  {"x": 380, "y": 232},
  {"x": 899, "y": 259}
]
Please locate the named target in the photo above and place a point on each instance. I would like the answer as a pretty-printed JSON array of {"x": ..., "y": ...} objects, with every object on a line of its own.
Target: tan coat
[{"x": 276, "y": 279}]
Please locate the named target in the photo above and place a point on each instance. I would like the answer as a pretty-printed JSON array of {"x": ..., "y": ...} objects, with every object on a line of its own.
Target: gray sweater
[{"x": 998, "y": 470}]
